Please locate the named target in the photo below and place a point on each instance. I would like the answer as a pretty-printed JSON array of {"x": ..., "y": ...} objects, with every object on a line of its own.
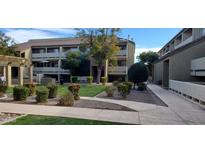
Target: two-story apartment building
[
  {"x": 48, "y": 56},
  {"x": 182, "y": 58}
]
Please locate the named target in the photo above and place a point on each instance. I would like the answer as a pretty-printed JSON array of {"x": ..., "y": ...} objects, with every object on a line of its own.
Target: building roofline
[
  {"x": 191, "y": 44},
  {"x": 183, "y": 29},
  {"x": 66, "y": 38}
]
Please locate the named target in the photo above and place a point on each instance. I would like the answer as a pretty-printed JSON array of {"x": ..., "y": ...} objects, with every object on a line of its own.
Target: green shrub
[
  {"x": 20, "y": 93},
  {"x": 109, "y": 90},
  {"x": 115, "y": 83},
  {"x": 103, "y": 80},
  {"x": 122, "y": 89},
  {"x": 141, "y": 86},
  {"x": 41, "y": 94},
  {"x": 129, "y": 85},
  {"x": 66, "y": 100},
  {"x": 52, "y": 91},
  {"x": 90, "y": 79},
  {"x": 3, "y": 88},
  {"x": 74, "y": 79},
  {"x": 137, "y": 73},
  {"x": 74, "y": 89},
  {"x": 32, "y": 88}
]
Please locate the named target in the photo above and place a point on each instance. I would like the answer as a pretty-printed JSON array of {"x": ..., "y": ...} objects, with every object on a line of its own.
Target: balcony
[
  {"x": 122, "y": 53},
  {"x": 198, "y": 67},
  {"x": 115, "y": 70},
  {"x": 50, "y": 70},
  {"x": 48, "y": 55},
  {"x": 188, "y": 40}
]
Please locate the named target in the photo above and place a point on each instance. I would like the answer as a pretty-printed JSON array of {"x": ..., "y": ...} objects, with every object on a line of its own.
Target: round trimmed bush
[
  {"x": 3, "y": 88},
  {"x": 20, "y": 93},
  {"x": 129, "y": 85},
  {"x": 52, "y": 91},
  {"x": 115, "y": 83},
  {"x": 109, "y": 90},
  {"x": 141, "y": 86},
  {"x": 74, "y": 89},
  {"x": 138, "y": 73},
  {"x": 32, "y": 89},
  {"x": 42, "y": 94},
  {"x": 90, "y": 79},
  {"x": 66, "y": 100},
  {"x": 122, "y": 89},
  {"x": 103, "y": 80}
]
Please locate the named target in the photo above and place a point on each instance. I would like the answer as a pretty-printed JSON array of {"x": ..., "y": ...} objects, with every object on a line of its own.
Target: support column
[
  {"x": 91, "y": 67},
  {"x": 31, "y": 74},
  {"x": 20, "y": 75},
  {"x": 8, "y": 75},
  {"x": 4, "y": 71},
  {"x": 106, "y": 69},
  {"x": 59, "y": 68}
]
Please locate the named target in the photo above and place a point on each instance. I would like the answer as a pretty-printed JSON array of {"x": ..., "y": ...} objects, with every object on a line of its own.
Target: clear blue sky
[{"x": 145, "y": 38}]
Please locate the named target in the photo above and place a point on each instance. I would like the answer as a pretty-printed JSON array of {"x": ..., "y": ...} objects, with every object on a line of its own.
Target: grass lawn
[
  {"x": 85, "y": 90},
  {"x": 9, "y": 90},
  {"x": 49, "y": 120}
]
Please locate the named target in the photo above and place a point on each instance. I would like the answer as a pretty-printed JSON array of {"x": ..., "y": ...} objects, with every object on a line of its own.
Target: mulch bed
[
  {"x": 146, "y": 96},
  {"x": 4, "y": 117},
  {"x": 100, "y": 105}
]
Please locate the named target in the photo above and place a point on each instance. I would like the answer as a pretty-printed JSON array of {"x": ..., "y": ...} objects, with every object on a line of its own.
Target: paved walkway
[
  {"x": 179, "y": 110},
  {"x": 83, "y": 113}
]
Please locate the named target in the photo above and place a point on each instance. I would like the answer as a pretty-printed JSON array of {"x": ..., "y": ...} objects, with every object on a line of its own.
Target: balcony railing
[
  {"x": 188, "y": 40},
  {"x": 198, "y": 67},
  {"x": 122, "y": 53},
  {"x": 117, "y": 70},
  {"x": 49, "y": 55},
  {"x": 50, "y": 70}
]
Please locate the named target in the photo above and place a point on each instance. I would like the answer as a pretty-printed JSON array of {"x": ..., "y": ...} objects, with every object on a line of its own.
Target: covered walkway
[{"x": 6, "y": 64}]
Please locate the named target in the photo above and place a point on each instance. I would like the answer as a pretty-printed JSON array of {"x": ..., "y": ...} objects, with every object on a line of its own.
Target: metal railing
[
  {"x": 117, "y": 70},
  {"x": 50, "y": 70}
]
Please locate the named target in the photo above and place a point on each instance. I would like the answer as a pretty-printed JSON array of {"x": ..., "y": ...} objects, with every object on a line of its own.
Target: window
[
  {"x": 121, "y": 62},
  {"x": 187, "y": 34},
  {"x": 123, "y": 47},
  {"x": 52, "y": 50},
  {"x": 66, "y": 49},
  {"x": 23, "y": 55},
  {"x": 38, "y": 50}
]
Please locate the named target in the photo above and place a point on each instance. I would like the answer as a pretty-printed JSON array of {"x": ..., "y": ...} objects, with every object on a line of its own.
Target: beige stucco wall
[
  {"x": 131, "y": 54},
  {"x": 28, "y": 56}
]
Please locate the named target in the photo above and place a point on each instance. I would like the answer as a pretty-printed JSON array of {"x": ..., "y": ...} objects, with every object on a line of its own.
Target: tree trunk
[{"x": 99, "y": 74}]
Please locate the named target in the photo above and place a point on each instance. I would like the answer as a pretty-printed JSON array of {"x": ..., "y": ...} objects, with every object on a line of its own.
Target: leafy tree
[
  {"x": 148, "y": 58},
  {"x": 137, "y": 73},
  {"x": 7, "y": 45},
  {"x": 74, "y": 61},
  {"x": 102, "y": 45}
]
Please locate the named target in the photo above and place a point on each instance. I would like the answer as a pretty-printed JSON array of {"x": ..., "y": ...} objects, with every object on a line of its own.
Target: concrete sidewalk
[
  {"x": 74, "y": 112},
  {"x": 188, "y": 112}
]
